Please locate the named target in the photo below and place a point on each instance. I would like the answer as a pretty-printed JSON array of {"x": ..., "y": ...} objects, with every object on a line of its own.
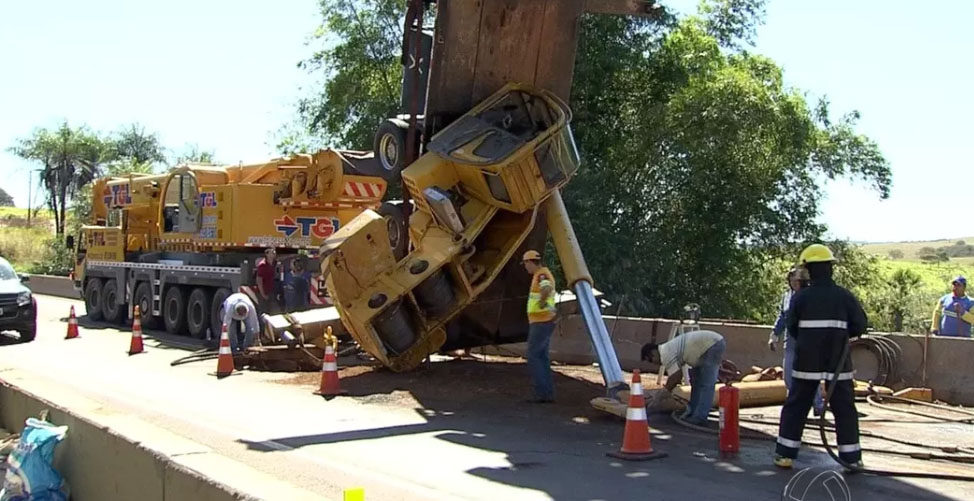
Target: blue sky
[{"x": 222, "y": 74}]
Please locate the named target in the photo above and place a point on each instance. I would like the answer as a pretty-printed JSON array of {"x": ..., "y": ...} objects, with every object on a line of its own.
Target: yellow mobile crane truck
[{"x": 178, "y": 244}]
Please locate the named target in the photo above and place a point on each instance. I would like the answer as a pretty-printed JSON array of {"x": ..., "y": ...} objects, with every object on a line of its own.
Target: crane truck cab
[{"x": 177, "y": 244}]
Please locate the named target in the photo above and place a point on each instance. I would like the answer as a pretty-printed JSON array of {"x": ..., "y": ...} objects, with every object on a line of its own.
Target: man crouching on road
[
  {"x": 239, "y": 309},
  {"x": 703, "y": 352},
  {"x": 541, "y": 324}
]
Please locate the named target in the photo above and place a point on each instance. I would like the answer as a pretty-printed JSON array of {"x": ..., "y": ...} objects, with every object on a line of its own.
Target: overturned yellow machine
[{"x": 478, "y": 191}]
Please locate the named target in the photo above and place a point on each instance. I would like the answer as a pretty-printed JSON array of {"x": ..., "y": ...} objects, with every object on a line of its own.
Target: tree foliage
[
  {"x": 71, "y": 158},
  {"x": 356, "y": 55},
  {"x": 702, "y": 169}
]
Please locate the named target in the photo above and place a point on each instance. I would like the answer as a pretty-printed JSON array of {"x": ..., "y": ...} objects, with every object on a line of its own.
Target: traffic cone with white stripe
[
  {"x": 224, "y": 361},
  {"x": 329, "y": 375},
  {"x": 135, "y": 346},
  {"x": 635, "y": 441},
  {"x": 72, "y": 325}
]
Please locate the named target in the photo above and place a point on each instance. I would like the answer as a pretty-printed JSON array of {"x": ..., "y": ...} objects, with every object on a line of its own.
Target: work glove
[{"x": 772, "y": 341}]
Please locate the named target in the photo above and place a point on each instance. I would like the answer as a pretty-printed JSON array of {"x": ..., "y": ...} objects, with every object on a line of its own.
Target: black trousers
[{"x": 795, "y": 412}]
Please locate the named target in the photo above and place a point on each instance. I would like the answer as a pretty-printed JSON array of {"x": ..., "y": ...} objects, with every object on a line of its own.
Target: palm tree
[{"x": 71, "y": 159}]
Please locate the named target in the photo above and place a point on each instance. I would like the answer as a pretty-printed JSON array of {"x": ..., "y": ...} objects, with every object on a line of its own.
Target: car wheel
[
  {"x": 143, "y": 299},
  {"x": 93, "y": 302},
  {"x": 174, "y": 310},
  {"x": 111, "y": 309},
  {"x": 28, "y": 335},
  {"x": 198, "y": 312}
]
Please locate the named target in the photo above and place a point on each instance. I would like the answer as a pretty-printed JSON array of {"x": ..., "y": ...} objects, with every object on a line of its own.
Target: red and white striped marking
[
  {"x": 318, "y": 296},
  {"x": 362, "y": 190}
]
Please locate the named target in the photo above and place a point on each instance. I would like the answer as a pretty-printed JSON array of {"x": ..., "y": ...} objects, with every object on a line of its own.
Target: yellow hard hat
[
  {"x": 531, "y": 255},
  {"x": 816, "y": 253}
]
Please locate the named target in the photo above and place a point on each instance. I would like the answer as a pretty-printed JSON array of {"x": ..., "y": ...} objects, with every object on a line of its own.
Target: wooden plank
[
  {"x": 510, "y": 36},
  {"x": 455, "y": 39},
  {"x": 622, "y": 7},
  {"x": 559, "y": 39}
]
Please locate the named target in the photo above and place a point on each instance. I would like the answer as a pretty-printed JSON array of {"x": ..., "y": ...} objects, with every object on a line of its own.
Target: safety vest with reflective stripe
[
  {"x": 541, "y": 311},
  {"x": 947, "y": 322}
]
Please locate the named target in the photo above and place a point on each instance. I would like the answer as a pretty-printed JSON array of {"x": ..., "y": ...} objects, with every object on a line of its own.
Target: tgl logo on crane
[
  {"x": 117, "y": 195},
  {"x": 320, "y": 227}
]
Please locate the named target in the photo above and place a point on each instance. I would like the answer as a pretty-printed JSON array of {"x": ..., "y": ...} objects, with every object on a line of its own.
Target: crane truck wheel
[
  {"x": 198, "y": 312},
  {"x": 174, "y": 310},
  {"x": 143, "y": 299},
  {"x": 396, "y": 226},
  {"x": 389, "y": 146},
  {"x": 93, "y": 299},
  {"x": 112, "y": 311},
  {"x": 216, "y": 311}
]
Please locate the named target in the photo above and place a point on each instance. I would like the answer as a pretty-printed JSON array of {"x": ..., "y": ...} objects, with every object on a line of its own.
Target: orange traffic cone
[
  {"x": 635, "y": 441},
  {"x": 329, "y": 375},
  {"x": 224, "y": 362},
  {"x": 72, "y": 325},
  {"x": 135, "y": 347}
]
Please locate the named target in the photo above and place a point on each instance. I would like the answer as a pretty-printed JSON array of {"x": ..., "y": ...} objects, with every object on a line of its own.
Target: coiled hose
[
  {"x": 856, "y": 468},
  {"x": 887, "y": 355}
]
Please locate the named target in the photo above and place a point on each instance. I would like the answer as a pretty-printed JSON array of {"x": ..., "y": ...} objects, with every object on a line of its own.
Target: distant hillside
[{"x": 959, "y": 250}]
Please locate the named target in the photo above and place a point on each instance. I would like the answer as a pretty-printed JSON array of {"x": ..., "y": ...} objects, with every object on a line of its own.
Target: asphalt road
[{"x": 458, "y": 430}]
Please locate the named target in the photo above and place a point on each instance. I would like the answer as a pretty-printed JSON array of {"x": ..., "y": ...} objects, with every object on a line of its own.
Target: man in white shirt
[
  {"x": 239, "y": 309},
  {"x": 703, "y": 352}
]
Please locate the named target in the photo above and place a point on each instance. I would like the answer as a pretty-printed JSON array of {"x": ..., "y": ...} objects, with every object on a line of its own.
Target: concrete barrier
[
  {"x": 53, "y": 286},
  {"x": 747, "y": 345},
  {"x": 112, "y": 456}
]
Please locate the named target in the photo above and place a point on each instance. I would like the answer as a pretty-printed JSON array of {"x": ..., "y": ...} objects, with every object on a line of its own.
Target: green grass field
[{"x": 911, "y": 249}]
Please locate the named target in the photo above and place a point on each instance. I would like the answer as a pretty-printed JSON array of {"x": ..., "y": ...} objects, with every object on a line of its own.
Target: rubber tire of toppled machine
[
  {"x": 174, "y": 310},
  {"x": 113, "y": 312},
  {"x": 93, "y": 299},
  {"x": 389, "y": 146},
  {"x": 216, "y": 311},
  {"x": 143, "y": 299},
  {"x": 396, "y": 227},
  {"x": 198, "y": 311}
]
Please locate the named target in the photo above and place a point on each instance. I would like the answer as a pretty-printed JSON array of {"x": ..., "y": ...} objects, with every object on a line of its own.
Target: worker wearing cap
[
  {"x": 541, "y": 325},
  {"x": 822, "y": 317},
  {"x": 239, "y": 313},
  {"x": 954, "y": 313}
]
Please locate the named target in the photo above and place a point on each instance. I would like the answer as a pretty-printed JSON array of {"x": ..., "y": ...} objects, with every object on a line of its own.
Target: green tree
[
  {"x": 701, "y": 168},
  {"x": 356, "y": 51},
  {"x": 134, "y": 146},
  {"x": 193, "y": 154},
  {"x": 71, "y": 159},
  {"x": 5, "y": 199}
]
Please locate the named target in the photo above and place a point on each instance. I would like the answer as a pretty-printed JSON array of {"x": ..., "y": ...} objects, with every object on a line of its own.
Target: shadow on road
[{"x": 559, "y": 448}]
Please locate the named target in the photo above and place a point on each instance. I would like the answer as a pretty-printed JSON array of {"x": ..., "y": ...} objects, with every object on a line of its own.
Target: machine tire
[
  {"x": 93, "y": 299},
  {"x": 143, "y": 298},
  {"x": 174, "y": 310},
  {"x": 389, "y": 147},
  {"x": 112, "y": 311},
  {"x": 216, "y": 311},
  {"x": 396, "y": 226},
  {"x": 198, "y": 312}
]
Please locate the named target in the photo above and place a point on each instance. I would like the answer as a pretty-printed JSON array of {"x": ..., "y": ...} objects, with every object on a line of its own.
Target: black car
[{"x": 18, "y": 308}]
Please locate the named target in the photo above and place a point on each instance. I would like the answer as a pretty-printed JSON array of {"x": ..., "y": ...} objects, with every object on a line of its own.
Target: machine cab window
[
  {"x": 497, "y": 132},
  {"x": 181, "y": 212}
]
